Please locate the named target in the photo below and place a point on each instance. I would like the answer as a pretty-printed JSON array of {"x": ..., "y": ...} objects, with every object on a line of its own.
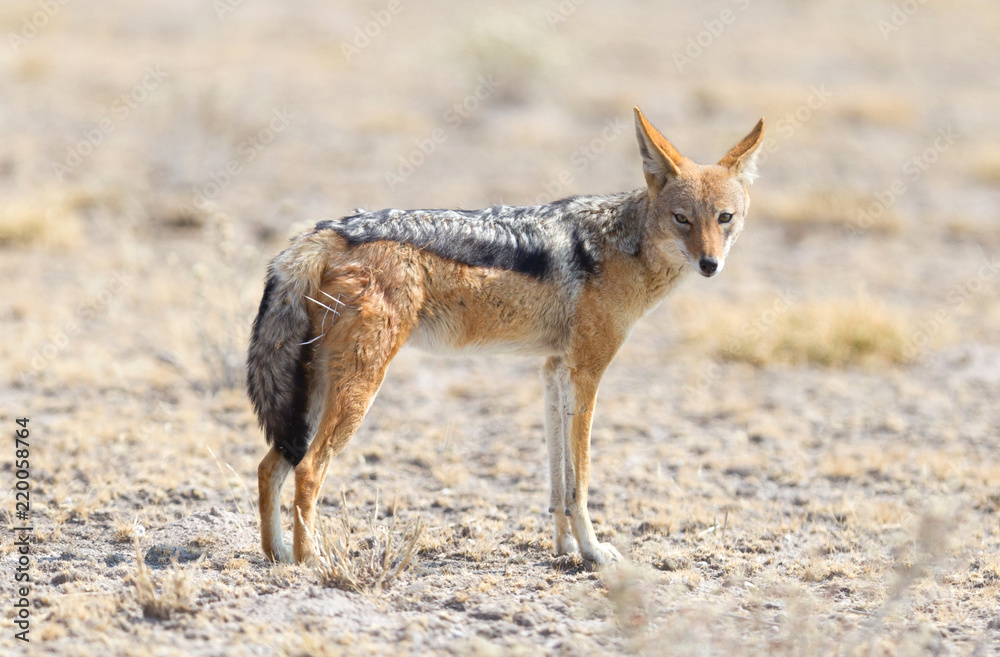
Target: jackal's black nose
[{"x": 708, "y": 265}]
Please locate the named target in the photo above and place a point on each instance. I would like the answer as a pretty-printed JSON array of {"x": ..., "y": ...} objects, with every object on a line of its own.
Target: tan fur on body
[{"x": 397, "y": 293}]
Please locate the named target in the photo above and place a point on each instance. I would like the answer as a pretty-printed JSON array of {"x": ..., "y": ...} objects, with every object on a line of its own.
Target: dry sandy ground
[{"x": 798, "y": 457}]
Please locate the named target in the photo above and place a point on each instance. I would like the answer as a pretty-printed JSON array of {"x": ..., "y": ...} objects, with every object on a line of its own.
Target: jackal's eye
[
  {"x": 681, "y": 219},
  {"x": 725, "y": 217}
]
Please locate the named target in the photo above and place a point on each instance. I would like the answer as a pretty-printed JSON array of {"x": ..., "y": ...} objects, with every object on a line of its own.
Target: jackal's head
[{"x": 696, "y": 211}]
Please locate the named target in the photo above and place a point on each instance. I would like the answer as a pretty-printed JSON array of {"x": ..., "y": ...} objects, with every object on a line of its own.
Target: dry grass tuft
[
  {"x": 364, "y": 563},
  {"x": 513, "y": 50},
  {"x": 834, "y": 333},
  {"x": 311, "y": 642},
  {"x": 223, "y": 304},
  {"x": 984, "y": 165},
  {"x": 966, "y": 227},
  {"x": 174, "y": 596},
  {"x": 43, "y": 220},
  {"x": 127, "y": 530},
  {"x": 876, "y": 107},
  {"x": 773, "y": 618},
  {"x": 830, "y": 208},
  {"x": 628, "y": 592}
]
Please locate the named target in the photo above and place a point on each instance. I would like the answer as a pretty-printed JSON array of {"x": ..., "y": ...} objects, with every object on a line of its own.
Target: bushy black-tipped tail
[{"x": 277, "y": 365}]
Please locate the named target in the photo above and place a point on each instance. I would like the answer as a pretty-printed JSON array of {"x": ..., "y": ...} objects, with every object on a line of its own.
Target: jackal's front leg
[
  {"x": 558, "y": 405},
  {"x": 584, "y": 387}
]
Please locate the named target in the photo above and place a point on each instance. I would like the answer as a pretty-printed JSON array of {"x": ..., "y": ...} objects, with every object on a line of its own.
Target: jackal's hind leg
[
  {"x": 271, "y": 475},
  {"x": 356, "y": 361}
]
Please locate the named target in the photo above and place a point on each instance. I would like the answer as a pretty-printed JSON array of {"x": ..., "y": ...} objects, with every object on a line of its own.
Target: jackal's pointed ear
[
  {"x": 742, "y": 158},
  {"x": 660, "y": 160}
]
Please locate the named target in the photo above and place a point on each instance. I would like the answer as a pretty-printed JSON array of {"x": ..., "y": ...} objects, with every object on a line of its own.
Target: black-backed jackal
[{"x": 565, "y": 281}]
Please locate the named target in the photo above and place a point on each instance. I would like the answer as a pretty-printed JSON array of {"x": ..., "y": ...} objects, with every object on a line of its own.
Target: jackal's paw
[
  {"x": 303, "y": 555},
  {"x": 566, "y": 544},
  {"x": 306, "y": 558},
  {"x": 602, "y": 554},
  {"x": 281, "y": 553}
]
